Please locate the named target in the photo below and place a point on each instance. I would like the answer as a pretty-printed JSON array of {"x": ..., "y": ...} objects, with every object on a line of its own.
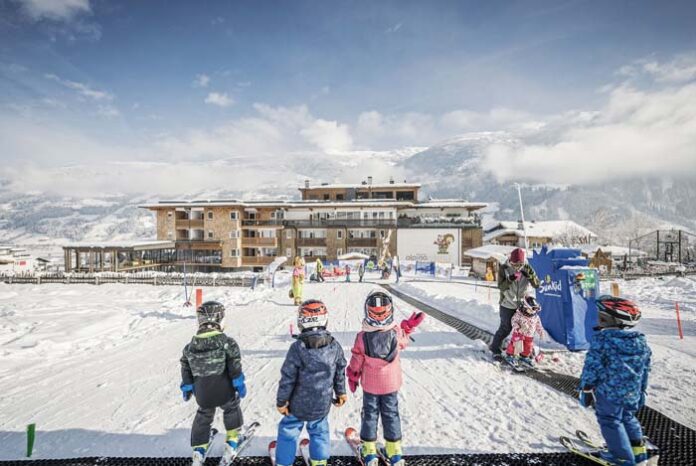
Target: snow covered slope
[{"x": 96, "y": 368}]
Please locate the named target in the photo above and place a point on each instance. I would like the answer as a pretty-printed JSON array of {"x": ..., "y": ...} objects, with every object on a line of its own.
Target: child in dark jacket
[
  {"x": 375, "y": 362},
  {"x": 313, "y": 372},
  {"x": 211, "y": 369},
  {"x": 615, "y": 378}
]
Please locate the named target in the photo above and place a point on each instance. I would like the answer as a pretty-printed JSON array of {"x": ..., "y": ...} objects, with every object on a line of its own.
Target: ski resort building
[
  {"x": 328, "y": 221},
  {"x": 561, "y": 232}
]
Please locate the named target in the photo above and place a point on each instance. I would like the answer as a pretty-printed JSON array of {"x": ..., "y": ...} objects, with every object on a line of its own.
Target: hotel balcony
[
  {"x": 256, "y": 260},
  {"x": 311, "y": 241},
  {"x": 255, "y": 242}
]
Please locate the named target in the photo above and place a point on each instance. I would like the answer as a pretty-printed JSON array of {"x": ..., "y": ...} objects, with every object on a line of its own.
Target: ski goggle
[{"x": 516, "y": 265}]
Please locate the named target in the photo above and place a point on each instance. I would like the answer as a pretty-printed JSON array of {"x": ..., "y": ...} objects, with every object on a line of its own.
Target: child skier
[
  {"x": 312, "y": 373},
  {"x": 347, "y": 272},
  {"x": 615, "y": 378},
  {"x": 525, "y": 323},
  {"x": 361, "y": 271},
  {"x": 375, "y": 363},
  {"x": 211, "y": 369}
]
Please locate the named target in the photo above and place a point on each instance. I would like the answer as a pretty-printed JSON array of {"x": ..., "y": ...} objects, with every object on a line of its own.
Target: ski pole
[{"x": 679, "y": 325}]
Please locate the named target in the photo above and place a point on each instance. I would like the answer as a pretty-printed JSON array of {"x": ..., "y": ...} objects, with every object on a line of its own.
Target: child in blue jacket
[
  {"x": 312, "y": 374},
  {"x": 615, "y": 378}
]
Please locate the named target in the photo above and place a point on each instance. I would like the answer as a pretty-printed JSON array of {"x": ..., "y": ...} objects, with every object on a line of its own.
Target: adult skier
[
  {"x": 320, "y": 269},
  {"x": 298, "y": 276}
]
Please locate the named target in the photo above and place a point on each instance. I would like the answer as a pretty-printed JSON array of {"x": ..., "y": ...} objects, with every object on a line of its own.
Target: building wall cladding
[
  {"x": 166, "y": 224},
  {"x": 221, "y": 225}
]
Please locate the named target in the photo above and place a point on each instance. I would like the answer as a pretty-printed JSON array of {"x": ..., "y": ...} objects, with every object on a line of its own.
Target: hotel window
[
  {"x": 288, "y": 252},
  {"x": 234, "y": 252},
  {"x": 210, "y": 234},
  {"x": 210, "y": 215},
  {"x": 339, "y": 234},
  {"x": 288, "y": 234},
  {"x": 233, "y": 215},
  {"x": 169, "y": 214},
  {"x": 339, "y": 251},
  {"x": 234, "y": 234}
]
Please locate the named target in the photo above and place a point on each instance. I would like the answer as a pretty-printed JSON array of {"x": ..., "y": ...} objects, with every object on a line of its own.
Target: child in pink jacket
[
  {"x": 375, "y": 363},
  {"x": 525, "y": 323}
]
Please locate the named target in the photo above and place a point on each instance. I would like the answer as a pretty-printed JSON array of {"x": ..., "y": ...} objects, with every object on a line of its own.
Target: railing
[
  {"x": 333, "y": 222},
  {"x": 425, "y": 222},
  {"x": 311, "y": 241},
  {"x": 185, "y": 223},
  {"x": 198, "y": 243},
  {"x": 363, "y": 242},
  {"x": 261, "y": 223},
  {"x": 145, "y": 278},
  {"x": 312, "y": 259},
  {"x": 258, "y": 241},
  {"x": 257, "y": 260}
]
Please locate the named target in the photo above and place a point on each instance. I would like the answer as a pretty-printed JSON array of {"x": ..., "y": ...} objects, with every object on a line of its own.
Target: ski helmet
[
  {"x": 617, "y": 312},
  {"x": 312, "y": 314},
  {"x": 379, "y": 309},
  {"x": 529, "y": 306},
  {"x": 210, "y": 313},
  {"x": 517, "y": 257}
]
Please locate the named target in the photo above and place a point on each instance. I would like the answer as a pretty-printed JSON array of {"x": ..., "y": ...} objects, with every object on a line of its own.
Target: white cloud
[
  {"x": 637, "y": 133},
  {"x": 219, "y": 99},
  {"x": 81, "y": 88},
  {"x": 201, "y": 80},
  {"x": 329, "y": 136},
  {"x": 54, "y": 9},
  {"x": 108, "y": 111}
]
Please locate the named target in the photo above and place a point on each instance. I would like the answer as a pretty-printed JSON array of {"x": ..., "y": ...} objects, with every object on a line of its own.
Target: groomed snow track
[{"x": 677, "y": 443}]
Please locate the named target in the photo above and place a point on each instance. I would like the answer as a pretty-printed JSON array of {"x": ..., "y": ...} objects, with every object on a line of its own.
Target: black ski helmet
[
  {"x": 210, "y": 314},
  {"x": 617, "y": 312},
  {"x": 529, "y": 306}
]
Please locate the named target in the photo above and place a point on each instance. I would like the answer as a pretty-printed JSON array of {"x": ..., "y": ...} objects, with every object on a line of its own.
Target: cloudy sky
[{"x": 159, "y": 87}]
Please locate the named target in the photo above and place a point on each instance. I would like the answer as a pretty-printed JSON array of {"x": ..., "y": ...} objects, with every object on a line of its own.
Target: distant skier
[
  {"x": 347, "y": 272},
  {"x": 298, "y": 276},
  {"x": 525, "y": 323},
  {"x": 514, "y": 277},
  {"x": 313, "y": 372},
  {"x": 615, "y": 379},
  {"x": 361, "y": 271},
  {"x": 375, "y": 362},
  {"x": 211, "y": 369},
  {"x": 320, "y": 270}
]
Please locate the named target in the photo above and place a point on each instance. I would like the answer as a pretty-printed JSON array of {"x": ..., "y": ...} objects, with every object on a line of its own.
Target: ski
[
  {"x": 589, "y": 454},
  {"x": 513, "y": 363},
  {"x": 382, "y": 452},
  {"x": 272, "y": 452},
  {"x": 585, "y": 438},
  {"x": 246, "y": 434},
  {"x": 304, "y": 451},
  {"x": 353, "y": 439}
]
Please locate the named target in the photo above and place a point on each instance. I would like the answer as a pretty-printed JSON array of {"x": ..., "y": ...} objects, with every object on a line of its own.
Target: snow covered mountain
[{"x": 454, "y": 168}]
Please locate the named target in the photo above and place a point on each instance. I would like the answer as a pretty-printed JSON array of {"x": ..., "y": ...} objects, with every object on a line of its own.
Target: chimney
[
  {"x": 391, "y": 180},
  {"x": 306, "y": 184},
  {"x": 369, "y": 180}
]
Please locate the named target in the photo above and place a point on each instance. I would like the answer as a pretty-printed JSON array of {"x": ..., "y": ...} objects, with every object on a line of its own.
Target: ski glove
[
  {"x": 284, "y": 409},
  {"x": 239, "y": 385},
  {"x": 586, "y": 397},
  {"x": 410, "y": 324},
  {"x": 186, "y": 391},
  {"x": 353, "y": 380},
  {"x": 340, "y": 400}
]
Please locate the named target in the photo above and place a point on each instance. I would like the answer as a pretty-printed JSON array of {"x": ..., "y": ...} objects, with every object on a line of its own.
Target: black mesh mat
[{"x": 509, "y": 459}]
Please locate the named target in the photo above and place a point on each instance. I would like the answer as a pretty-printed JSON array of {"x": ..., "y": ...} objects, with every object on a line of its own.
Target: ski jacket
[
  {"x": 512, "y": 292},
  {"x": 526, "y": 325},
  {"x": 375, "y": 359},
  {"x": 209, "y": 362},
  {"x": 313, "y": 371},
  {"x": 617, "y": 366}
]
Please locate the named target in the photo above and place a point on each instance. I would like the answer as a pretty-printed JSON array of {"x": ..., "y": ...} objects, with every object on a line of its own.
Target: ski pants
[
  {"x": 289, "y": 430},
  {"x": 231, "y": 414},
  {"x": 375, "y": 406},
  {"x": 503, "y": 330},
  {"x": 320, "y": 277},
  {"x": 520, "y": 344},
  {"x": 619, "y": 427}
]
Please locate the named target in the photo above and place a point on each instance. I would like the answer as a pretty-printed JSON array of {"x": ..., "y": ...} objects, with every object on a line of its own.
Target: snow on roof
[
  {"x": 135, "y": 244},
  {"x": 449, "y": 203},
  {"x": 361, "y": 186},
  {"x": 615, "y": 251},
  {"x": 546, "y": 229},
  {"x": 490, "y": 251}
]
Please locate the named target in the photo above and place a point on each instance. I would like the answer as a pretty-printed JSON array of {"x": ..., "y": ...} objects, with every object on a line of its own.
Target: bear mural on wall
[{"x": 443, "y": 243}]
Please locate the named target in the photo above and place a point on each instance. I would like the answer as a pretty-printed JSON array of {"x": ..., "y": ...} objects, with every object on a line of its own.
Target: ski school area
[{"x": 96, "y": 370}]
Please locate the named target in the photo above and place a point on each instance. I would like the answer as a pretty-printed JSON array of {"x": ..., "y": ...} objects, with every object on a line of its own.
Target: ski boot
[
  {"x": 368, "y": 451},
  {"x": 527, "y": 361},
  {"x": 231, "y": 446},
  {"x": 198, "y": 458},
  {"x": 393, "y": 453},
  {"x": 640, "y": 451},
  {"x": 318, "y": 462}
]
